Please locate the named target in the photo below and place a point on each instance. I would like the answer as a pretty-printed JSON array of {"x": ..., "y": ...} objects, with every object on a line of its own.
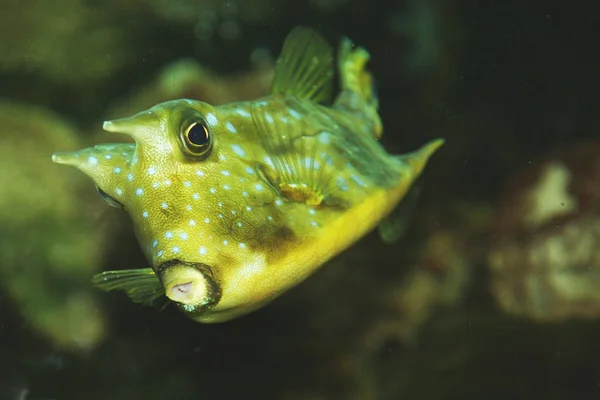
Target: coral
[{"x": 545, "y": 258}]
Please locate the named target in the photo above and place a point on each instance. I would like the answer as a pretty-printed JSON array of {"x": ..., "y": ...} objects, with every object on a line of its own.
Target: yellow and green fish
[{"x": 235, "y": 204}]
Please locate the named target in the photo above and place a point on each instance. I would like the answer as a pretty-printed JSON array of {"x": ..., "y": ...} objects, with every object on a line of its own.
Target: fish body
[{"x": 235, "y": 204}]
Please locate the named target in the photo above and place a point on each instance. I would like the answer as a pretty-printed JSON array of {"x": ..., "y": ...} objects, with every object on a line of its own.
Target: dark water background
[{"x": 503, "y": 82}]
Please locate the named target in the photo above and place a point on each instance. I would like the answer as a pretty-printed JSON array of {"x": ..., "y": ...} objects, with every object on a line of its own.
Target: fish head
[{"x": 185, "y": 184}]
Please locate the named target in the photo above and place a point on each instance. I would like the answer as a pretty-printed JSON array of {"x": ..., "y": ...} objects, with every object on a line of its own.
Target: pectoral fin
[{"x": 141, "y": 285}]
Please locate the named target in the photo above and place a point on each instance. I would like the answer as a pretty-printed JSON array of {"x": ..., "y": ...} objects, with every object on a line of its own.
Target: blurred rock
[
  {"x": 187, "y": 79},
  {"x": 82, "y": 42},
  {"x": 52, "y": 237},
  {"x": 545, "y": 258},
  {"x": 66, "y": 40}
]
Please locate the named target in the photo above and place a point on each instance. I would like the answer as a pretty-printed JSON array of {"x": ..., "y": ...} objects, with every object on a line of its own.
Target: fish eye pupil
[{"x": 197, "y": 134}]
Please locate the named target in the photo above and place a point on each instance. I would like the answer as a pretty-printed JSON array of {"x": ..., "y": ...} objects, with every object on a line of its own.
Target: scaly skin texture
[{"x": 285, "y": 185}]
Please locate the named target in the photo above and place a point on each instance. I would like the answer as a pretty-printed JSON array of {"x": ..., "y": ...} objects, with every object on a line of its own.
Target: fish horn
[
  {"x": 66, "y": 158},
  {"x": 136, "y": 126}
]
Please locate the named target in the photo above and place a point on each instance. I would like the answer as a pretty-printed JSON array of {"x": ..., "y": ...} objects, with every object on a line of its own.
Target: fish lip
[{"x": 213, "y": 284}]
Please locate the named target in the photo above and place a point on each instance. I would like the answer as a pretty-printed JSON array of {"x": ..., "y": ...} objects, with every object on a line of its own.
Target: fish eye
[
  {"x": 197, "y": 139},
  {"x": 108, "y": 199}
]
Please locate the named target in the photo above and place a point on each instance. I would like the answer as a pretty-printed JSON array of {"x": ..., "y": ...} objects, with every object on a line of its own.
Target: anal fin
[{"x": 395, "y": 225}]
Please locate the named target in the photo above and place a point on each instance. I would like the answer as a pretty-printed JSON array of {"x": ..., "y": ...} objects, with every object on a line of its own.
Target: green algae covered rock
[{"x": 50, "y": 246}]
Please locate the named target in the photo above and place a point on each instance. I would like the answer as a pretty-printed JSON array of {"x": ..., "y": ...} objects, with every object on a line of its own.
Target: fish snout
[{"x": 192, "y": 285}]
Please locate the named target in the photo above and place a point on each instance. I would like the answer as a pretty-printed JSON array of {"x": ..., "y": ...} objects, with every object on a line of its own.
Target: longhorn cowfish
[{"x": 235, "y": 204}]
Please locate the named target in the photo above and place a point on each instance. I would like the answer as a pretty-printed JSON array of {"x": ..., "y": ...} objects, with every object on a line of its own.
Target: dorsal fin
[{"x": 305, "y": 67}]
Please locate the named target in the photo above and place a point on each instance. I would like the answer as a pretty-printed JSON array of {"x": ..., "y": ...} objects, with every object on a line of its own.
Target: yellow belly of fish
[{"x": 253, "y": 286}]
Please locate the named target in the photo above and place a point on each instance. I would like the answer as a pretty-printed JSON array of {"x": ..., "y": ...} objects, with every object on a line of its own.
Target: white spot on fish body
[
  {"x": 230, "y": 127},
  {"x": 238, "y": 150},
  {"x": 196, "y": 196},
  {"x": 258, "y": 187},
  {"x": 311, "y": 163},
  {"x": 324, "y": 138},
  {"x": 192, "y": 222},
  {"x": 168, "y": 182},
  {"x": 160, "y": 253},
  {"x": 294, "y": 113},
  {"x": 145, "y": 214},
  {"x": 269, "y": 161},
  {"x": 199, "y": 173},
  {"x": 226, "y": 187},
  {"x": 168, "y": 235},
  {"x": 155, "y": 184},
  {"x": 202, "y": 250},
  {"x": 139, "y": 191},
  {"x": 225, "y": 242},
  {"x": 164, "y": 206},
  {"x": 225, "y": 172},
  {"x": 188, "y": 207},
  {"x": 222, "y": 157},
  {"x": 175, "y": 249},
  {"x": 248, "y": 208},
  {"x": 242, "y": 245},
  {"x": 212, "y": 190},
  {"x": 207, "y": 220},
  {"x": 243, "y": 112},
  {"x": 249, "y": 170},
  {"x": 130, "y": 177},
  {"x": 151, "y": 171},
  {"x": 183, "y": 236},
  {"x": 92, "y": 160},
  {"x": 278, "y": 202},
  {"x": 117, "y": 170},
  {"x": 311, "y": 211},
  {"x": 187, "y": 183},
  {"x": 107, "y": 156},
  {"x": 154, "y": 243},
  {"x": 119, "y": 191},
  {"x": 342, "y": 184},
  {"x": 358, "y": 180},
  {"x": 211, "y": 119},
  {"x": 269, "y": 118}
]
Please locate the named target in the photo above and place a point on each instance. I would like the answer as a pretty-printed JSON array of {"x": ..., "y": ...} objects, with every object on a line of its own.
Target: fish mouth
[{"x": 192, "y": 286}]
